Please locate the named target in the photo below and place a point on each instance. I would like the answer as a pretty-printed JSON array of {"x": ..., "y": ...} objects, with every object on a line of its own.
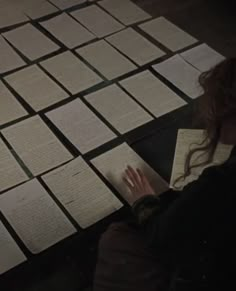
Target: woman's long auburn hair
[{"x": 215, "y": 106}]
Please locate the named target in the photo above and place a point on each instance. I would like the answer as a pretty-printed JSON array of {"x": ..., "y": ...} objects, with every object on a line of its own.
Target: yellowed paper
[
  {"x": 67, "y": 30},
  {"x": 125, "y": 11},
  {"x": 82, "y": 193},
  {"x": 36, "y": 88},
  {"x": 118, "y": 108},
  {"x": 10, "y": 108},
  {"x": 97, "y": 20},
  {"x": 202, "y": 57},
  {"x": 36, "y": 8},
  {"x": 64, "y": 4},
  {"x": 10, "y": 14},
  {"x": 152, "y": 93},
  {"x": 113, "y": 163},
  {"x": 10, "y": 254},
  {"x": 35, "y": 217},
  {"x": 36, "y": 145},
  {"x": 187, "y": 140},
  {"x": 168, "y": 34},
  {"x": 9, "y": 60},
  {"x": 72, "y": 73},
  {"x": 181, "y": 74},
  {"x": 107, "y": 60},
  {"x": 135, "y": 46},
  {"x": 81, "y": 126},
  {"x": 30, "y": 41},
  {"x": 11, "y": 173}
]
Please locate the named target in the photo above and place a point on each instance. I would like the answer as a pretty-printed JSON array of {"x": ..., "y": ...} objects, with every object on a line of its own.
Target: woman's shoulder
[{"x": 223, "y": 173}]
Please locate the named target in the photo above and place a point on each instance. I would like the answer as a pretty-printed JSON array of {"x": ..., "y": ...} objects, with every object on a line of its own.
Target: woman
[{"x": 182, "y": 240}]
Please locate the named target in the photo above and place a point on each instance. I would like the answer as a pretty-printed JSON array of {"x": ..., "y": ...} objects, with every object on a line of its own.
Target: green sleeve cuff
[{"x": 144, "y": 207}]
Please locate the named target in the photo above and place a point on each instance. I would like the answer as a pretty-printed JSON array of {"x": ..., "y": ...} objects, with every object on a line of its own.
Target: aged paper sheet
[
  {"x": 113, "y": 163},
  {"x": 35, "y": 217},
  {"x": 82, "y": 192}
]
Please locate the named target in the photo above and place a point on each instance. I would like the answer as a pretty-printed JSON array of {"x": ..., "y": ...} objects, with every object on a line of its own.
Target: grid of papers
[
  {"x": 10, "y": 108},
  {"x": 118, "y": 108},
  {"x": 187, "y": 140},
  {"x": 107, "y": 60},
  {"x": 36, "y": 145},
  {"x": 11, "y": 173},
  {"x": 81, "y": 126},
  {"x": 82, "y": 192},
  {"x": 9, "y": 60},
  {"x": 35, "y": 217},
  {"x": 56, "y": 51},
  {"x": 113, "y": 163},
  {"x": 168, "y": 34},
  {"x": 36, "y": 88},
  {"x": 68, "y": 30},
  {"x": 152, "y": 93},
  {"x": 30, "y": 42},
  {"x": 183, "y": 75},
  {"x": 71, "y": 72},
  {"x": 135, "y": 46},
  {"x": 97, "y": 20},
  {"x": 125, "y": 11}
]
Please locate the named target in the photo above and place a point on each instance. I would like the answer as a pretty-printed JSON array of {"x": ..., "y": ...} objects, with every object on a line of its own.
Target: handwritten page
[
  {"x": 72, "y": 73},
  {"x": 64, "y": 4},
  {"x": 152, "y": 93},
  {"x": 97, "y": 20},
  {"x": 181, "y": 74},
  {"x": 9, "y": 60},
  {"x": 10, "y": 108},
  {"x": 202, "y": 57},
  {"x": 36, "y": 145},
  {"x": 125, "y": 11},
  {"x": 11, "y": 173},
  {"x": 82, "y": 192},
  {"x": 36, "y": 88},
  {"x": 35, "y": 217},
  {"x": 187, "y": 140},
  {"x": 67, "y": 30},
  {"x": 107, "y": 60},
  {"x": 113, "y": 163},
  {"x": 30, "y": 41},
  {"x": 81, "y": 126},
  {"x": 168, "y": 34},
  {"x": 10, "y": 254},
  {"x": 118, "y": 108},
  {"x": 36, "y": 8},
  {"x": 135, "y": 46}
]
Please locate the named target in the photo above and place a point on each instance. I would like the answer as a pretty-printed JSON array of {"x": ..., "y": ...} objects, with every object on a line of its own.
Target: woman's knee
[{"x": 112, "y": 235}]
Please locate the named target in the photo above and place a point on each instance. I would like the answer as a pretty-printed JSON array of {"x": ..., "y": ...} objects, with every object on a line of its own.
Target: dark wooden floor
[{"x": 210, "y": 21}]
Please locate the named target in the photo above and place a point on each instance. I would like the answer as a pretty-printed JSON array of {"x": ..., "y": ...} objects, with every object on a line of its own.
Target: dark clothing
[
  {"x": 126, "y": 264},
  {"x": 193, "y": 230}
]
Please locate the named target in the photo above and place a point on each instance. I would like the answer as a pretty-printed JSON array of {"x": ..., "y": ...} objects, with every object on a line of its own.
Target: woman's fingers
[
  {"x": 127, "y": 182},
  {"x": 141, "y": 175},
  {"x": 133, "y": 175}
]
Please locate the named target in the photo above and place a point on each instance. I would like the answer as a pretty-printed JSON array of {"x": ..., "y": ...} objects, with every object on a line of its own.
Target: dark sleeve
[
  {"x": 190, "y": 216},
  {"x": 151, "y": 206}
]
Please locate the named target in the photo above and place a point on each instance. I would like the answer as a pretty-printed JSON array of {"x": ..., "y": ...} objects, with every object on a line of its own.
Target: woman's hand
[{"x": 137, "y": 183}]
